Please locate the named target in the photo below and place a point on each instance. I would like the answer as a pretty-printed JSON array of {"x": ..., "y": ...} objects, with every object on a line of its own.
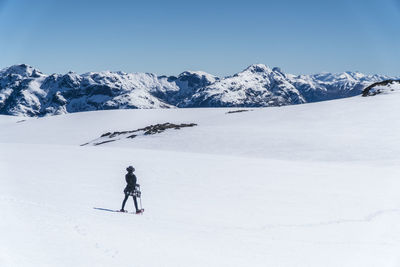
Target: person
[{"x": 130, "y": 188}]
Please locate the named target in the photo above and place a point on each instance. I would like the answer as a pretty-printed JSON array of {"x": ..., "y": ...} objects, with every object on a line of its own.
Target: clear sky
[{"x": 219, "y": 37}]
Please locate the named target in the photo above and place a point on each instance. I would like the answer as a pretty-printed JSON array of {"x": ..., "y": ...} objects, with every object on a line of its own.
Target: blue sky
[{"x": 220, "y": 37}]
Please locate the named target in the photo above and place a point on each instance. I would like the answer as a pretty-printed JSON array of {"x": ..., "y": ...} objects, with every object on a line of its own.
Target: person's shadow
[{"x": 106, "y": 209}]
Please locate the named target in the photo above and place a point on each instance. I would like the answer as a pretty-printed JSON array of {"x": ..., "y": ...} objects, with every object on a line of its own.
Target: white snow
[
  {"x": 386, "y": 89},
  {"x": 306, "y": 185}
]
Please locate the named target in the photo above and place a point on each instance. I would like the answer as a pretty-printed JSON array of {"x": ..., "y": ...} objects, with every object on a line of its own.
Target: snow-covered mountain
[
  {"x": 327, "y": 86},
  {"x": 26, "y": 91},
  {"x": 257, "y": 86},
  {"x": 184, "y": 86}
]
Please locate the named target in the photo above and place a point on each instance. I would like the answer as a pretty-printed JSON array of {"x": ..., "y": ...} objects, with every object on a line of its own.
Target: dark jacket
[{"x": 131, "y": 182}]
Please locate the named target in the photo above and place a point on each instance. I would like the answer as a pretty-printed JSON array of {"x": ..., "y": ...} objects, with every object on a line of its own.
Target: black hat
[{"x": 130, "y": 169}]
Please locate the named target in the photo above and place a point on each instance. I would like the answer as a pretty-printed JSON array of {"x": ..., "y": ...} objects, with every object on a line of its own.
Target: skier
[{"x": 130, "y": 188}]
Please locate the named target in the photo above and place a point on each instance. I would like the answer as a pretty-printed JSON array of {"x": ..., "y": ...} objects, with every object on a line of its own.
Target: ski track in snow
[{"x": 366, "y": 219}]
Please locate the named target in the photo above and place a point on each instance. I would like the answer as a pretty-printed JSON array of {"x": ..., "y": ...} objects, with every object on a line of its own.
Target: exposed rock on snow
[
  {"x": 382, "y": 87},
  {"x": 149, "y": 130},
  {"x": 25, "y": 91},
  {"x": 237, "y": 111}
]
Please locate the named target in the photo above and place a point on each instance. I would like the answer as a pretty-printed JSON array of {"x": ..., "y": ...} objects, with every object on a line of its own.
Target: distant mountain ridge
[{"x": 25, "y": 91}]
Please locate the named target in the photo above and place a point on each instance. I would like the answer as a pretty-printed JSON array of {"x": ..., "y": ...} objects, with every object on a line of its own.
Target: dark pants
[{"x": 126, "y": 198}]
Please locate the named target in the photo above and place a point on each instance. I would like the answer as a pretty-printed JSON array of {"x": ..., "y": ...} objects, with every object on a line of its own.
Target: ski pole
[{"x": 140, "y": 198}]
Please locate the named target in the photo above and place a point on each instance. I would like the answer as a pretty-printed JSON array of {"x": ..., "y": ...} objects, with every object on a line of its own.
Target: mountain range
[{"x": 26, "y": 91}]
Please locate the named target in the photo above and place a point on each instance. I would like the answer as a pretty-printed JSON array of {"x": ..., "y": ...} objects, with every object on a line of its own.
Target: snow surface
[
  {"x": 306, "y": 185},
  {"x": 389, "y": 88}
]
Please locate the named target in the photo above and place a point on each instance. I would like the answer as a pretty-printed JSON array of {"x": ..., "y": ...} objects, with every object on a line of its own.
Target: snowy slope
[
  {"x": 383, "y": 87},
  {"x": 25, "y": 91},
  {"x": 304, "y": 185}
]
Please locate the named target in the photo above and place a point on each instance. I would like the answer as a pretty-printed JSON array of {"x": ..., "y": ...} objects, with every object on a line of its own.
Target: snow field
[{"x": 308, "y": 185}]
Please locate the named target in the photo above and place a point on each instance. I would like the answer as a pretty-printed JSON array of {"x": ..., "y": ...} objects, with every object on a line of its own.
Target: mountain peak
[
  {"x": 258, "y": 68},
  {"x": 21, "y": 69},
  {"x": 201, "y": 75}
]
